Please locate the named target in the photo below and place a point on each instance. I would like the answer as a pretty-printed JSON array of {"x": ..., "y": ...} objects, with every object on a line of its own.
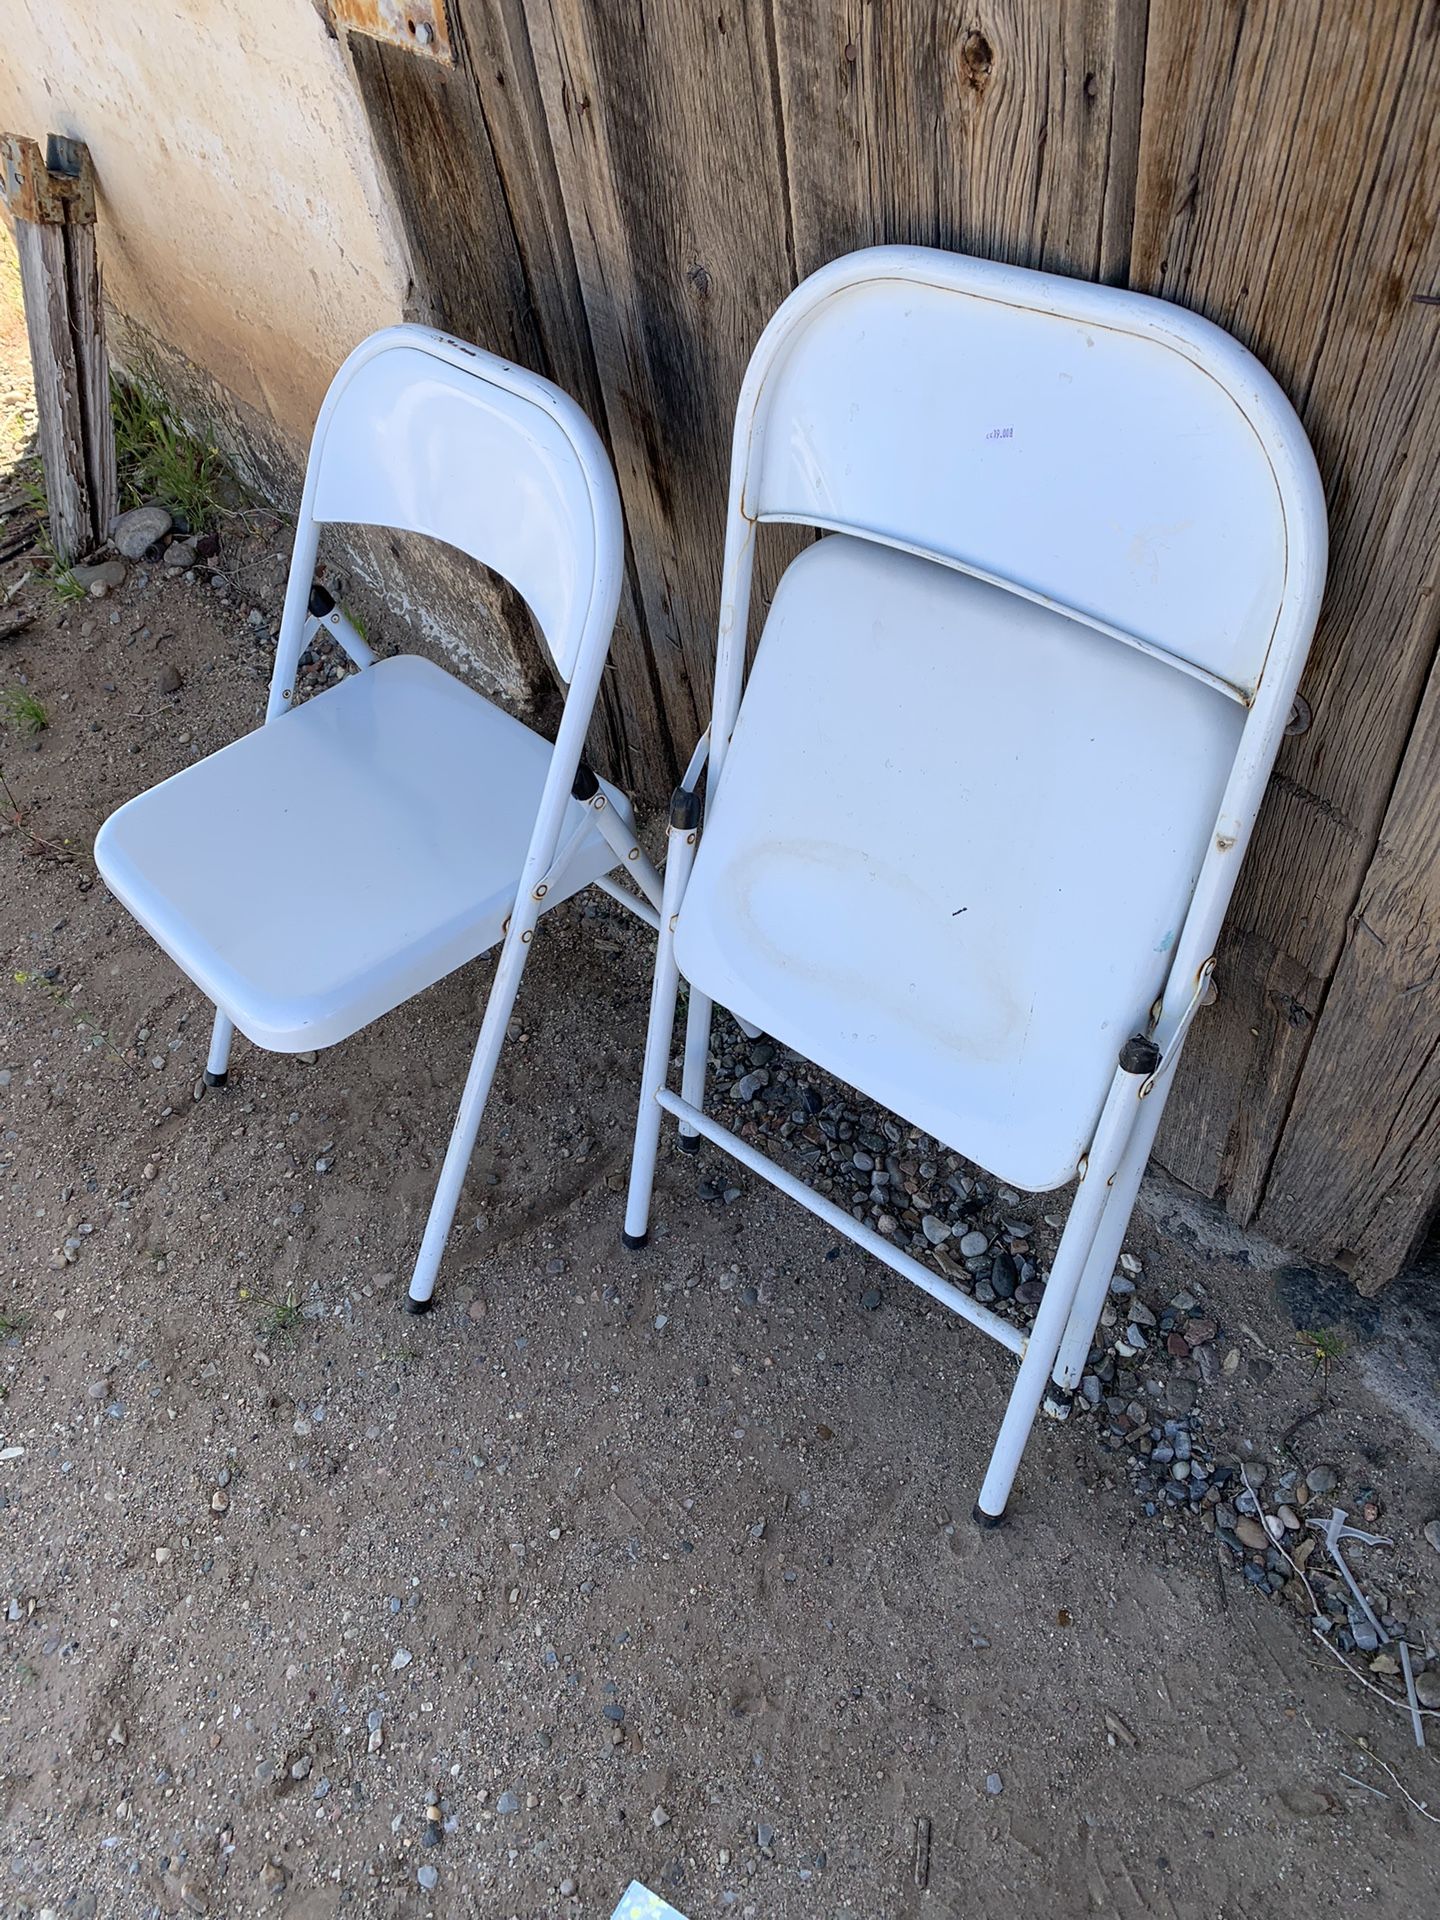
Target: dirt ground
[{"x": 651, "y": 1566}]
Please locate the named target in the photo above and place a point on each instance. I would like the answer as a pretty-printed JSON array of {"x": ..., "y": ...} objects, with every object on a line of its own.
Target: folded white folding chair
[
  {"x": 971, "y": 830},
  {"x": 455, "y": 825}
]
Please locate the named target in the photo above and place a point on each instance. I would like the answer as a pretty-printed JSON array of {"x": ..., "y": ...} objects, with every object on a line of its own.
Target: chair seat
[
  {"x": 953, "y": 842},
  {"x": 329, "y": 865}
]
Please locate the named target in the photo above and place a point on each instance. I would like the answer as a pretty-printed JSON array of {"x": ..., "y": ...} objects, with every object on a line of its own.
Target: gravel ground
[{"x": 623, "y": 1565}]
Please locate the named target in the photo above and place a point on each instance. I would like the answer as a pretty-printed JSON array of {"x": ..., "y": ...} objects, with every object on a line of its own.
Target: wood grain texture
[
  {"x": 1287, "y": 189},
  {"x": 632, "y": 743},
  {"x": 667, "y": 143},
  {"x": 1010, "y": 131},
  {"x": 487, "y": 267},
  {"x": 1357, "y": 1176},
  {"x": 92, "y": 370},
  {"x": 40, "y": 250},
  {"x": 51, "y": 199}
]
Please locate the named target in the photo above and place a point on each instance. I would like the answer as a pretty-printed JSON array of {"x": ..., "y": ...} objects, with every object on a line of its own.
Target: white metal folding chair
[
  {"x": 971, "y": 830},
  {"x": 449, "y": 826}
]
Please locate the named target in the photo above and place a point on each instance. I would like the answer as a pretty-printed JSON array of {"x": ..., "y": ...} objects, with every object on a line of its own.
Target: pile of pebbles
[{"x": 1151, "y": 1357}]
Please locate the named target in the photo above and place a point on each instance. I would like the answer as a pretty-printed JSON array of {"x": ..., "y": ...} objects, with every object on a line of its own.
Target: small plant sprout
[
  {"x": 57, "y": 575},
  {"x": 281, "y": 1319},
  {"x": 1324, "y": 1346},
  {"x": 25, "y": 713}
]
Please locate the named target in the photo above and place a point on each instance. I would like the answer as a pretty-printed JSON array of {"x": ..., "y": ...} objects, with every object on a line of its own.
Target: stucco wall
[
  {"x": 247, "y": 243},
  {"x": 243, "y": 220}
]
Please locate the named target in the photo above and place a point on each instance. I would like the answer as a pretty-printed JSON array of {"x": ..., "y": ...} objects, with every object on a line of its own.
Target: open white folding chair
[
  {"x": 456, "y": 826},
  {"x": 972, "y": 828}
]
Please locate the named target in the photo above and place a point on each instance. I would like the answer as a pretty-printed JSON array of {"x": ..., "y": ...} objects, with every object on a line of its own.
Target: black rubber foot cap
[
  {"x": 689, "y": 1142},
  {"x": 635, "y": 1240},
  {"x": 983, "y": 1519},
  {"x": 216, "y": 1079},
  {"x": 418, "y": 1306}
]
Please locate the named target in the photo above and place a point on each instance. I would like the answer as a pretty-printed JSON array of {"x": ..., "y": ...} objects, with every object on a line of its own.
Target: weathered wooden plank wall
[
  {"x": 622, "y": 197},
  {"x": 1288, "y": 190}
]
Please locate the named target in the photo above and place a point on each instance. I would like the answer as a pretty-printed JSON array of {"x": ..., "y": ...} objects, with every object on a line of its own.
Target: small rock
[
  {"x": 399, "y": 1659},
  {"x": 509, "y": 1802},
  {"x": 1004, "y": 1275},
  {"x": 764, "y": 1835},
  {"x": 567, "y": 1887},
  {"x": 1325, "y": 1480},
  {"x": 974, "y": 1244},
  {"x": 219, "y": 1501},
  {"x": 429, "y": 1878},
  {"x": 1432, "y": 1531},
  {"x": 135, "y": 532},
  {"x": 1250, "y": 1531},
  {"x": 300, "y": 1770},
  {"x": 167, "y": 678},
  {"x": 936, "y": 1231},
  {"x": 272, "y": 1877},
  {"x": 1427, "y": 1689},
  {"x": 659, "y": 1817},
  {"x": 108, "y": 575},
  {"x": 180, "y": 554},
  {"x": 871, "y": 1299},
  {"x": 993, "y": 1783}
]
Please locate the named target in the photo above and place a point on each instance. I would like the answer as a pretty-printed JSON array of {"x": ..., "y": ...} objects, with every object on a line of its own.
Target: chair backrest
[
  {"x": 1104, "y": 454},
  {"x": 1096, "y": 450},
  {"x": 427, "y": 434}
]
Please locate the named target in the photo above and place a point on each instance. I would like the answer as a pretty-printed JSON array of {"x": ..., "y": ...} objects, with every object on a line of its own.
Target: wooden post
[{"x": 52, "y": 202}]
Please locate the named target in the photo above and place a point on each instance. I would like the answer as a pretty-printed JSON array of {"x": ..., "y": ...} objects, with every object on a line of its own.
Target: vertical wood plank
[
  {"x": 52, "y": 201},
  {"x": 637, "y": 748},
  {"x": 60, "y": 429},
  {"x": 479, "y": 203},
  {"x": 87, "y": 315},
  {"x": 668, "y": 150},
  {"x": 1289, "y": 173},
  {"x": 1010, "y": 131},
  {"x": 1357, "y": 1175}
]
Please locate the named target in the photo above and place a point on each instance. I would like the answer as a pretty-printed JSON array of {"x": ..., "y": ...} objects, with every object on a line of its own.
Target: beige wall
[
  {"x": 243, "y": 220},
  {"x": 247, "y": 242}
]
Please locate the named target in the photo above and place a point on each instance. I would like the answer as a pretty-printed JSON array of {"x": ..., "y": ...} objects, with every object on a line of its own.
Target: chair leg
[
  {"x": 478, "y": 1082},
  {"x": 1117, "y": 1121},
  {"x": 679, "y": 857},
  {"x": 1094, "y": 1284},
  {"x": 217, "y": 1066},
  {"x": 697, "y": 1060}
]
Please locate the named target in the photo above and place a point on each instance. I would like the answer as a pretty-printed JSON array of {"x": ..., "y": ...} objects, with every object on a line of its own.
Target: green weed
[
  {"x": 158, "y": 459},
  {"x": 1325, "y": 1347},
  {"x": 57, "y": 575},
  {"x": 25, "y": 713},
  {"x": 280, "y": 1321}
]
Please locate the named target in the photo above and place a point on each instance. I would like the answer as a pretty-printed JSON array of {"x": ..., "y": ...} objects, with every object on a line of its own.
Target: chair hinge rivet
[
  {"x": 526, "y": 936},
  {"x": 541, "y": 891}
]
